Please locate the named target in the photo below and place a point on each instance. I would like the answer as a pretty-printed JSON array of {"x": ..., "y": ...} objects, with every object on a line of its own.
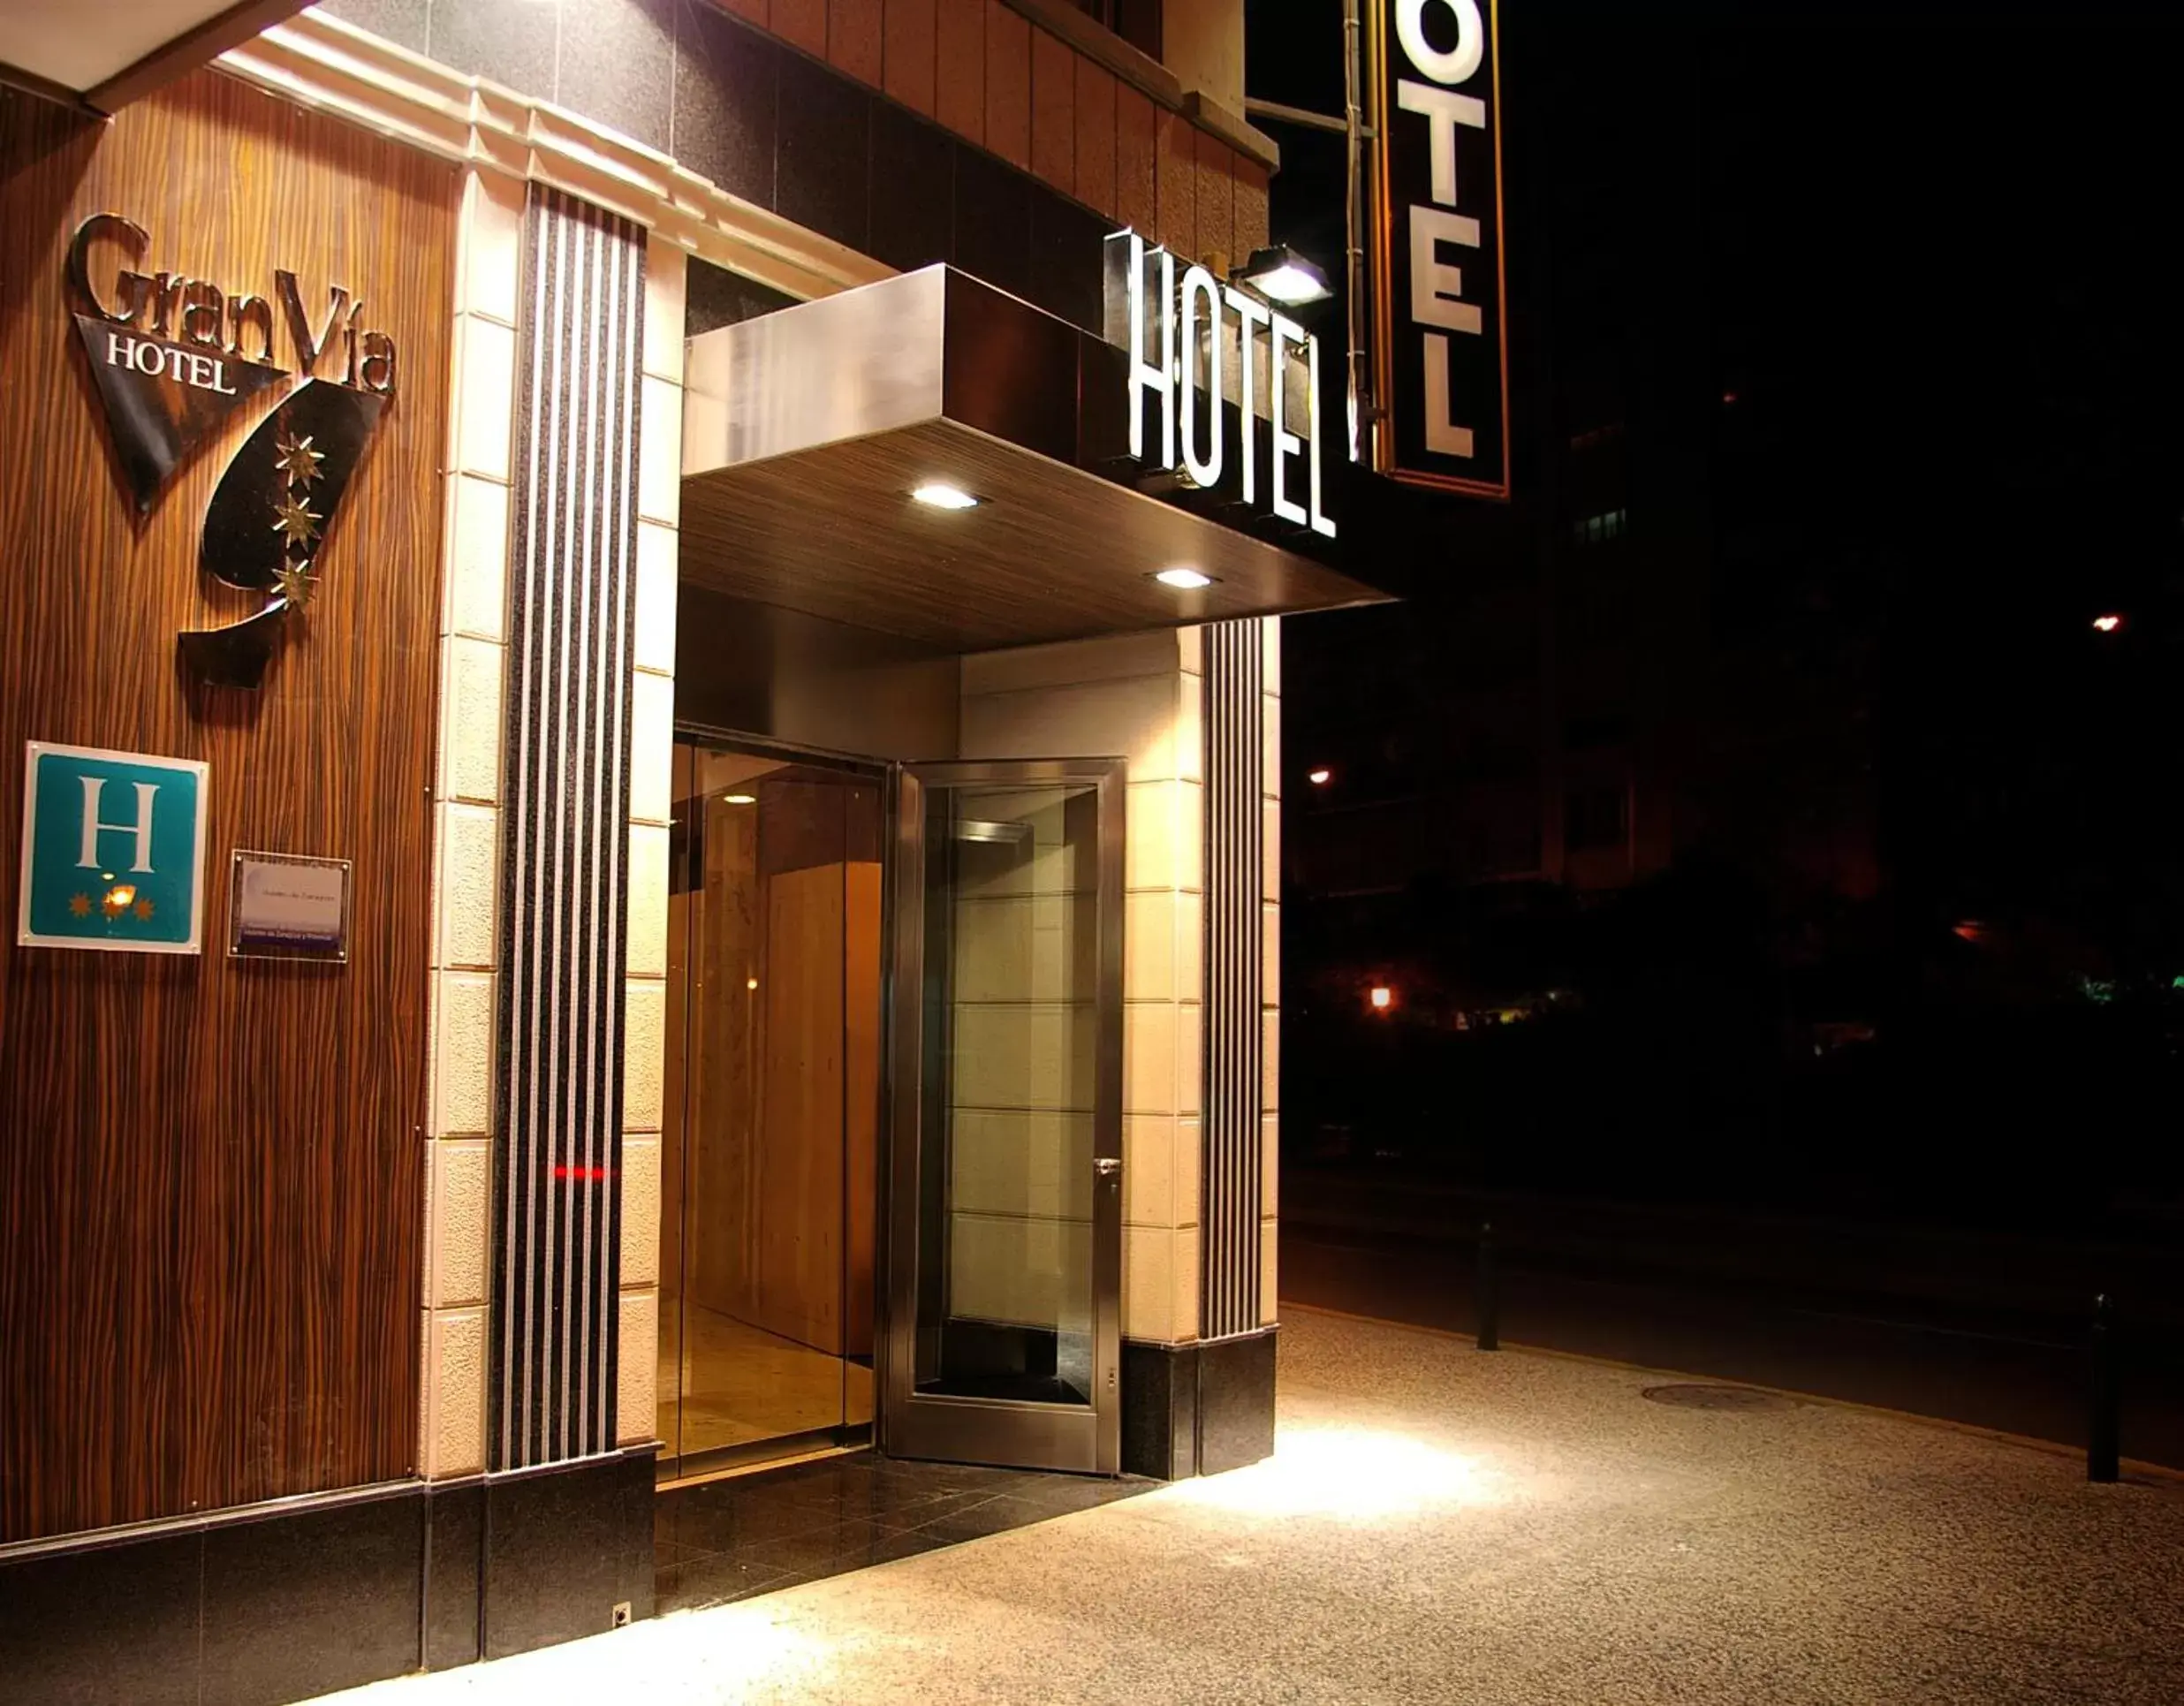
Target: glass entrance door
[
  {"x": 770, "y": 1158},
  {"x": 1004, "y": 1256}
]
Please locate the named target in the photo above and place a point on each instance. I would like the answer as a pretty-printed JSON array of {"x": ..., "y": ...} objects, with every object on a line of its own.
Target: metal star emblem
[
  {"x": 295, "y": 458},
  {"x": 79, "y": 905},
  {"x": 296, "y": 519},
  {"x": 297, "y": 583},
  {"x": 142, "y": 909}
]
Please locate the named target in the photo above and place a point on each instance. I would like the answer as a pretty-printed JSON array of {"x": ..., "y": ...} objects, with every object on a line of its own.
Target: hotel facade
[{"x": 646, "y": 642}]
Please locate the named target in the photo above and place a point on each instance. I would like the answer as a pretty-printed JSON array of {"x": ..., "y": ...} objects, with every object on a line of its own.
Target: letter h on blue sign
[{"x": 113, "y": 849}]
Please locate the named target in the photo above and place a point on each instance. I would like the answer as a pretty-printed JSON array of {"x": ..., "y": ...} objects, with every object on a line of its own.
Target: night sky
[{"x": 1880, "y": 304}]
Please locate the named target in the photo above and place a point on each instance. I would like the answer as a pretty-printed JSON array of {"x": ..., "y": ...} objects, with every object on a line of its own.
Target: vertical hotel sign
[{"x": 1440, "y": 345}]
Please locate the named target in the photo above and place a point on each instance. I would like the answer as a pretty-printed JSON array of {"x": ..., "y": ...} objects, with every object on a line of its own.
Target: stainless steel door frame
[{"x": 1084, "y": 1438}]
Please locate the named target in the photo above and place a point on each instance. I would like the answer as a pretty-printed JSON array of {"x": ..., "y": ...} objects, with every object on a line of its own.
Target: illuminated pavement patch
[{"x": 1442, "y": 1526}]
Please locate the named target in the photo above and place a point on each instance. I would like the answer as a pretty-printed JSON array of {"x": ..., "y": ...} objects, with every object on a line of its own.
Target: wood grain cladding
[
  {"x": 1053, "y": 552},
  {"x": 797, "y": 1207},
  {"x": 209, "y": 1170}
]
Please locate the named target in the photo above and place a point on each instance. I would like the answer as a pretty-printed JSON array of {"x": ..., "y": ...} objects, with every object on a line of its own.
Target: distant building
[{"x": 1643, "y": 656}]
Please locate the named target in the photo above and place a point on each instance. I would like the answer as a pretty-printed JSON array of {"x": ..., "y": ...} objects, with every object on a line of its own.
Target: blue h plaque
[{"x": 113, "y": 849}]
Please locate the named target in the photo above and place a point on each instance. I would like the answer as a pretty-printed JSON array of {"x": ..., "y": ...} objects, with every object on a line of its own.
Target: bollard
[
  {"x": 1489, "y": 1298},
  {"x": 2102, "y": 1443}
]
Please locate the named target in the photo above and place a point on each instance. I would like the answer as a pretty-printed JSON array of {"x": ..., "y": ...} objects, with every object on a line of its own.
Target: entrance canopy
[{"x": 805, "y": 431}]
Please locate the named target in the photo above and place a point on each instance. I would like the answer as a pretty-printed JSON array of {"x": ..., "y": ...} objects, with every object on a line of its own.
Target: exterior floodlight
[
  {"x": 945, "y": 497},
  {"x": 1186, "y": 579},
  {"x": 1281, "y": 275}
]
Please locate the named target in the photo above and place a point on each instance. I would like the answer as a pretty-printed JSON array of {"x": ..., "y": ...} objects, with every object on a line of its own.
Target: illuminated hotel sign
[
  {"x": 1208, "y": 364},
  {"x": 173, "y": 354},
  {"x": 173, "y": 357},
  {"x": 1441, "y": 351}
]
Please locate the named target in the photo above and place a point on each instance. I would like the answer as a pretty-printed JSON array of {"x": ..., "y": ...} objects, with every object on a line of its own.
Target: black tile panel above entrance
[{"x": 783, "y": 130}]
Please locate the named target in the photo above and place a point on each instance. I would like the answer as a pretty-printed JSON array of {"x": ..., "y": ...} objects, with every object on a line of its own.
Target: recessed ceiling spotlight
[
  {"x": 941, "y": 497},
  {"x": 1186, "y": 579},
  {"x": 739, "y": 799}
]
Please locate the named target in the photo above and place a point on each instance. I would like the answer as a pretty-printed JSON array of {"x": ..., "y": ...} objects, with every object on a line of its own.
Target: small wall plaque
[{"x": 287, "y": 906}]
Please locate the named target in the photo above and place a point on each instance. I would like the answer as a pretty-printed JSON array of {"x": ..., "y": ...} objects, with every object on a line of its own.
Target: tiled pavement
[
  {"x": 1440, "y": 1526},
  {"x": 727, "y": 1539}
]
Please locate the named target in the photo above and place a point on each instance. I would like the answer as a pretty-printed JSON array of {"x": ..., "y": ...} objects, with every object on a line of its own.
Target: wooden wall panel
[
  {"x": 209, "y": 1170},
  {"x": 797, "y": 1202},
  {"x": 720, "y": 1164},
  {"x": 863, "y": 1024}
]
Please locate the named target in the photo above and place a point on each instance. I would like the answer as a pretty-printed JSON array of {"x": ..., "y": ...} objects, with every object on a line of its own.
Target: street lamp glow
[
  {"x": 2107, "y": 623},
  {"x": 1184, "y": 578},
  {"x": 1383, "y": 997},
  {"x": 1319, "y": 778},
  {"x": 936, "y": 495},
  {"x": 1293, "y": 285},
  {"x": 1281, "y": 275}
]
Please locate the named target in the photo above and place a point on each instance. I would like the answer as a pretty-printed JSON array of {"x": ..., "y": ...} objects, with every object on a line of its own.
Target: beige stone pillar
[
  {"x": 1135, "y": 696},
  {"x": 467, "y": 797},
  {"x": 652, "y": 738}
]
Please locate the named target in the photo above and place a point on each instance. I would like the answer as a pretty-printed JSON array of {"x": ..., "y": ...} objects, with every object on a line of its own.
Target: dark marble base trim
[
  {"x": 1235, "y": 1401},
  {"x": 562, "y": 1548},
  {"x": 128, "y": 1534},
  {"x": 1197, "y": 1408},
  {"x": 255, "y": 1606},
  {"x": 269, "y": 1604}
]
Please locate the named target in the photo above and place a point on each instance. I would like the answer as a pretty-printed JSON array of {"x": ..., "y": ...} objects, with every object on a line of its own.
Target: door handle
[{"x": 1106, "y": 1166}]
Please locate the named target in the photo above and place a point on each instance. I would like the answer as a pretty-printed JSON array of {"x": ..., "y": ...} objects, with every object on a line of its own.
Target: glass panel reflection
[
  {"x": 1012, "y": 1029},
  {"x": 768, "y": 1181}
]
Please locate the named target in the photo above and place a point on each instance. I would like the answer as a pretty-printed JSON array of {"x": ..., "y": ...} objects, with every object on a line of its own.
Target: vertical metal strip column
[
  {"x": 564, "y": 830},
  {"x": 1235, "y": 829}
]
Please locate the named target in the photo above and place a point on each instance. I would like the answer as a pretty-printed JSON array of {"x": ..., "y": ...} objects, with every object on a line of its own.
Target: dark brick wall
[{"x": 810, "y": 141}]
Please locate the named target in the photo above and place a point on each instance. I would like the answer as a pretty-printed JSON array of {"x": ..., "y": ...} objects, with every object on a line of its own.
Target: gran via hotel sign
[
  {"x": 172, "y": 356},
  {"x": 1440, "y": 356},
  {"x": 1224, "y": 389}
]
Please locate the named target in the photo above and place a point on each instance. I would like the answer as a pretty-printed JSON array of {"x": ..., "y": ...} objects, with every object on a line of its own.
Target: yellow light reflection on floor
[
  {"x": 1351, "y": 1475},
  {"x": 728, "y": 1653}
]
